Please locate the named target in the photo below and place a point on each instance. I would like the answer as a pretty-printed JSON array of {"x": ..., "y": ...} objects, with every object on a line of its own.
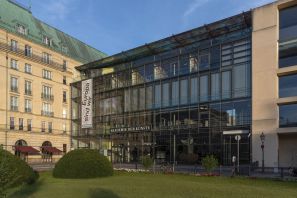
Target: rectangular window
[
  {"x": 14, "y": 85},
  {"x": 43, "y": 126},
  {"x": 28, "y": 50},
  {"x": 28, "y": 88},
  {"x": 14, "y": 103},
  {"x": 203, "y": 59},
  {"x": 175, "y": 93},
  {"x": 288, "y": 86},
  {"x": 184, "y": 91},
  {"x": 141, "y": 98},
  {"x": 288, "y": 54},
  {"x": 50, "y": 127},
  {"x": 193, "y": 63},
  {"x": 215, "y": 56},
  {"x": 64, "y": 115},
  {"x": 288, "y": 115},
  {"x": 14, "y": 45},
  {"x": 11, "y": 123},
  {"x": 288, "y": 24},
  {"x": 204, "y": 88},
  {"x": 64, "y": 80},
  {"x": 64, "y": 97},
  {"x": 29, "y": 125},
  {"x": 47, "y": 109},
  {"x": 46, "y": 74},
  {"x": 157, "y": 96},
  {"x": 149, "y": 97},
  {"x": 215, "y": 86},
  {"x": 135, "y": 99},
  {"x": 226, "y": 84},
  {"x": 21, "y": 124},
  {"x": 127, "y": 100},
  {"x": 14, "y": 64},
  {"x": 28, "y": 106},
  {"x": 21, "y": 29},
  {"x": 64, "y": 65},
  {"x": 241, "y": 81},
  {"x": 64, "y": 128},
  {"x": 28, "y": 68},
  {"x": 46, "y": 58},
  {"x": 194, "y": 90},
  {"x": 165, "y": 95},
  {"x": 46, "y": 40},
  {"x": 47, "y": 93}
]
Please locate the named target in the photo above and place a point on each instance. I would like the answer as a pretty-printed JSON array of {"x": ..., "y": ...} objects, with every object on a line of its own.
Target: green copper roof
[{"x": 12, "y": 13}]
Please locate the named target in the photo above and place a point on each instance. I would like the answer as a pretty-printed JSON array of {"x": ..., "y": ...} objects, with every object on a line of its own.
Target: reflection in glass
[
  {"x": 175, "y": 93},
  {"x": 165, "y": 95},
  {"x": 288, "y": 115},
  {"x": 194, "y": 90},
  {"x": 184, "y": 91},
  {"x": 203, "y": 88},
  {"x": 215, "y": 86}
]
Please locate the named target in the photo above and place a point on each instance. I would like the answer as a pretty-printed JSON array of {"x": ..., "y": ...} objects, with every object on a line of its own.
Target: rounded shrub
[
  {"x": 83, "y": 163},
  {"x": 17, "y": 170}
]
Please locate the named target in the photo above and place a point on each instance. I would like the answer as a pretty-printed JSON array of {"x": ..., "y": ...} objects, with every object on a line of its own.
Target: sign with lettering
[
  {"x": 87, "y": 104},
  {"x": 130, "y": 129}
]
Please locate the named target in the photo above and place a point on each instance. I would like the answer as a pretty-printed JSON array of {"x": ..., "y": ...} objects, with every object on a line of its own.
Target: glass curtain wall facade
[{"x": 174, "y": 106}]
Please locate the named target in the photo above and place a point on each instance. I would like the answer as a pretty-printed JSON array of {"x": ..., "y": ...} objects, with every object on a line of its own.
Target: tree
[
  {"x": 210, "y": 162},
  {"x": 7, "y": 176}
]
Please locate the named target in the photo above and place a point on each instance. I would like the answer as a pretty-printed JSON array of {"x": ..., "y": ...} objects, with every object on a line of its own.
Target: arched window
[
  {"x": 47, "y": 143},
  {"x": 21, "y": 143}
]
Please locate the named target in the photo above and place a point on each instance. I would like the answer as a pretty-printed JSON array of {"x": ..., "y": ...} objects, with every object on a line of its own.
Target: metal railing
[
  {"x": 31, "y": 56},
  {"x": 47, "y": 113},
  {"x": 47, "y": 97}
]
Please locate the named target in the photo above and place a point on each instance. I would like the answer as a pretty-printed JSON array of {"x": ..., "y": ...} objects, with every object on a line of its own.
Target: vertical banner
[{"x": 86, "y": 104}]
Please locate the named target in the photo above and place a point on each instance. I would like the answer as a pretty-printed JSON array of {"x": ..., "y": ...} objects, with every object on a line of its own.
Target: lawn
[{"x": 141, "y": 185}]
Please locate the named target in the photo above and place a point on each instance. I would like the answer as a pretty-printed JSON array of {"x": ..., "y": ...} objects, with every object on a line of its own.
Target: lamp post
[
  {"x": 262, "y": 137},
  {"x": 237, "y": 138}
]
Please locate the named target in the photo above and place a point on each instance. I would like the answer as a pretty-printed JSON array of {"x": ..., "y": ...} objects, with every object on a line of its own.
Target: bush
[
  {"x": 147, "y": 162},
  {"x": 83, "y": 163},
  {"x": 210, "y": 163},
  {"x": 15, "y": 171}
]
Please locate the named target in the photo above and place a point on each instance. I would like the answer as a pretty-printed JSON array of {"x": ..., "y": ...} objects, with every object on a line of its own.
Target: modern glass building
[
  {"x": 177, "y": 99},
  {"x": 193, "y": 94}
]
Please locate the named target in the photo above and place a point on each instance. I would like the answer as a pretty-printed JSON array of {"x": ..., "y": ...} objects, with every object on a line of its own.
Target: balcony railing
[
  {"x": 14, "y": 108},
  {"x": 47, "y": 97},
  {"x": 28, "y": 92},
  {"x": 28, "y": 110},
  {"x": 14, "y": 89},
  {"x": 47, "y": 113},
  {"x": 32, "y": 56}
]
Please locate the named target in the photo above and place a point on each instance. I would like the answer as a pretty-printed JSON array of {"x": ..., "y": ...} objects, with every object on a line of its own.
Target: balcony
[
  {"x": 14, "y": 108},
  {"x": 14, "y": 89},
  {"x": 47, "y": 113},
  {"x": 28, "y": 110},
  {"x": 47, "y": 97},
  {"x": 30, "y": 55},
  {"x": 28, "y": 92}
]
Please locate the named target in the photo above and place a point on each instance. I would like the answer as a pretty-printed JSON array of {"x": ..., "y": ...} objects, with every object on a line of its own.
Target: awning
[
  {"x": 52, "y": 150},
  {"x": 26, "y": 150},
  {"x": 236, "y": 132}
]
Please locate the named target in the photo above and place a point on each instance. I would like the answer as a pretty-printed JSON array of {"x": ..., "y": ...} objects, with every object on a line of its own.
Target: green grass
[{"x": 141, "y": 185}]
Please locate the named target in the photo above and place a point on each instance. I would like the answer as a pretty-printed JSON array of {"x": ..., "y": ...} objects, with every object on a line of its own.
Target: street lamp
[{"x": 262, "y": 137}]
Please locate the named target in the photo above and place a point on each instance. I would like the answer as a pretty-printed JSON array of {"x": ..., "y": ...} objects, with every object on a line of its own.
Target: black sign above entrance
[{"x": 130, "y": 129}]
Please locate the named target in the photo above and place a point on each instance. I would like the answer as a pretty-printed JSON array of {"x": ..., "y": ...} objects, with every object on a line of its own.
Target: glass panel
[
  {"x": 241, "y": 81},
  {"x": 215, "y": 55},
  {"x": 157, "y": 96},
  {"x": 203, "y": 59},
  {"x": 149, "y": 97},
  {"x": 165, "y": 95},
  {"x": 288, "y": 17},
  {"x": 288, "y": 86},
  {"x": 141, "y": 98},
  {"x": 226, "y": 85},
  {"x": 288, "y": 115},
  {"x": 194, "y": 90},
  {"x": 184, "y": 92},
  {"x": 127, "y": 100},
  {"x": 175, "y": 93},
  {"x": 204, "y": 88},
  {"x": 134, "y": 101},
  {"x": 215, "y": 86},
  {"x": 288, "y": 54}
]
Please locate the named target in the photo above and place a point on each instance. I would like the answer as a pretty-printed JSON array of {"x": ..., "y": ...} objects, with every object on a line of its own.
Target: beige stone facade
[{"x": 280, "y": 148}]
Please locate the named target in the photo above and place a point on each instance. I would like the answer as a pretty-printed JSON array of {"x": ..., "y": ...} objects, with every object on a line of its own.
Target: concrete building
[
  {"x": 36, "y": 68},
  {"x": 191, "y": 94}
]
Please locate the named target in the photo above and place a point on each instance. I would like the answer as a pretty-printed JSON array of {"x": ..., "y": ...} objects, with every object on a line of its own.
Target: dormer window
[
  {"x": 64, "y": 49},
  {"x": 46, "y": 40},
  {"x": 21, "y": 29}
]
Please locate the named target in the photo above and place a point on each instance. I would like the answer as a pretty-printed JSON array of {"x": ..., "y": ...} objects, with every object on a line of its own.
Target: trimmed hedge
[
  {"x": 19, "y": 171},
  {"x": 83, "y": 163}
]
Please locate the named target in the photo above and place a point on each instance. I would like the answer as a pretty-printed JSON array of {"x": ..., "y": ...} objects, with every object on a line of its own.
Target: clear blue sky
[{"x": 113, "y": 26}]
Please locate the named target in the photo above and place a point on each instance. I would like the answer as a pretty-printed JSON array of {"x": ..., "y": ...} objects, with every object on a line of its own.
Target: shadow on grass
[
  {"x": 102, "y": 193},
  {"x": 26, "y": 190}
]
